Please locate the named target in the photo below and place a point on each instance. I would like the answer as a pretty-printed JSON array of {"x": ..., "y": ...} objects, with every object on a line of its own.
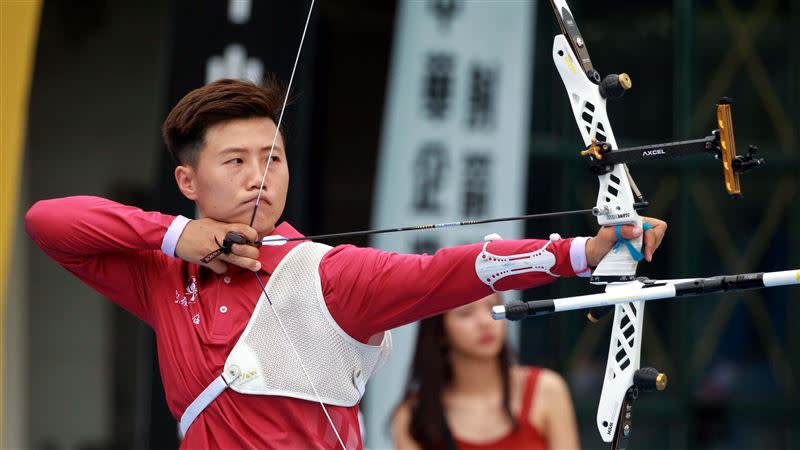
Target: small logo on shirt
[
  {"x": 188, "y": 297},
  {"x": 196, "y": 319}
]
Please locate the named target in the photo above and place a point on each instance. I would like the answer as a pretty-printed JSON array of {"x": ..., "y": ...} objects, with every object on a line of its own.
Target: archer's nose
[{"x": 256, "y": 176}]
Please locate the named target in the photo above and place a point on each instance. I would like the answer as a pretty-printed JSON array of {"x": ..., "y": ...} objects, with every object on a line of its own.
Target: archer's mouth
[{"x": 263, "y": 201}]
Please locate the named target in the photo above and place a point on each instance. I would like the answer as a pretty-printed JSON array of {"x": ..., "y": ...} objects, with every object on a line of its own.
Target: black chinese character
[
  {"x": 427, "y": 245},
  {"x": 476, "y": 185},
  {"x": 482, "y": 93},
  {"x": 436, "y": 85},
  {"x": 429, "y": 171},
  {"x": 444, "y": 10}
]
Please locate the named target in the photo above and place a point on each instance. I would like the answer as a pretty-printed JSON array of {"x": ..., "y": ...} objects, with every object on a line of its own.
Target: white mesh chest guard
[
  {"x": 338, "y": 364},
  {"x": 263, "y": 363}
]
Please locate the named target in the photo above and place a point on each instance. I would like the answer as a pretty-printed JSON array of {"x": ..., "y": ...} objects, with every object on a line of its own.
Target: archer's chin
[{"x": 264, "y": 225}]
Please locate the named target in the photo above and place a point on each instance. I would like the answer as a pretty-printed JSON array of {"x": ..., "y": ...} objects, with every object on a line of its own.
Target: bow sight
[{"x": 720, "y": 144}]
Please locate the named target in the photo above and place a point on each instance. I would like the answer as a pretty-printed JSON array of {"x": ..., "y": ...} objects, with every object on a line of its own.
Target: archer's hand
[
  {"x": 197, "y": 241},
  {"x": 598, "y": 246}
]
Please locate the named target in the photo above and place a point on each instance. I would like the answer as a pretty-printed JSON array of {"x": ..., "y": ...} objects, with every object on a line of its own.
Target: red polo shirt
[{"x": 198, "y": 316}]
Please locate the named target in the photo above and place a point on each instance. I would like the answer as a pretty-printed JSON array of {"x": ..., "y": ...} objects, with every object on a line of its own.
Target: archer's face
[{"x": 226, "y": 181}]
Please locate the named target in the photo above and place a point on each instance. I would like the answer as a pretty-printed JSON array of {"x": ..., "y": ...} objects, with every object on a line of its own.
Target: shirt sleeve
[
  {"x": 109, "y": 246},
  {"x": 368, "y": 291}
]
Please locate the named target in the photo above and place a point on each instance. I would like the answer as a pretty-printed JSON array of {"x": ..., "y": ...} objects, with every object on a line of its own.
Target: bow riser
[
  {"x": 624, "y": 352},
  {"x": 615, "y": 206},
  {"x": 615, "y": 198}
]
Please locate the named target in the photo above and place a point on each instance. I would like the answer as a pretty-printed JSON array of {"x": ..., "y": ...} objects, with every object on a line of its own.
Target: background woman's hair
[{"x": 431, "y": 372}]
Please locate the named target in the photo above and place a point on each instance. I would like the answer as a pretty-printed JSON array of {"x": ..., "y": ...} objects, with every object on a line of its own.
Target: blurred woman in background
[{"x": 465, "y": 393}]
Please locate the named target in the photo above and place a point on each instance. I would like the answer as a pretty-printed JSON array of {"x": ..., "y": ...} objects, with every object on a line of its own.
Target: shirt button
[
  {"x": 223, "y": 309},
  {"x": 227, "y": 280}
]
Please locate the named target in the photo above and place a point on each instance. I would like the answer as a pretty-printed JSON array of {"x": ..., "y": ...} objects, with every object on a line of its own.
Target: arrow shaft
[{"x": 550, "y": 215}]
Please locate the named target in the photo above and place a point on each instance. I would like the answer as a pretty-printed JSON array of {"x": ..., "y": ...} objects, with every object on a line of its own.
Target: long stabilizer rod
[{"x": 644, "y": 289}]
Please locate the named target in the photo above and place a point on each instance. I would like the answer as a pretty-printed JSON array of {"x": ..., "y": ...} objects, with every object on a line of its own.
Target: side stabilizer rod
[{"x": 644, "y": 289}]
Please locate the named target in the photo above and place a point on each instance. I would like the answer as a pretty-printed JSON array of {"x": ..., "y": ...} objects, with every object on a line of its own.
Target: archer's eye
[{"x": 235, "y": 161}]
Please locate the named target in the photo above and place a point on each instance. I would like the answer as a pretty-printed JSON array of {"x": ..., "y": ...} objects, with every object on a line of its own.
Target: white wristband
[
  {"x": 172, "y": 235},
  {"x": 577, "y": 256}
]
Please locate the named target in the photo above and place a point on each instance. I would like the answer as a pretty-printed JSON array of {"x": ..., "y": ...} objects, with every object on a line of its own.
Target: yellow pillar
[{"x": 19, "y": 25}]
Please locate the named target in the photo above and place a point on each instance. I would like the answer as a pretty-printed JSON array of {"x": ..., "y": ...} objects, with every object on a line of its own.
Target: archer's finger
[
  {"x": 653, "y": 237},
  {"x": 628, "y": 231},
  {"x": 659, "y": 226},
  {"x": 250, "y": 264},
  {"x": 247, "y": 251},
  {"x": 649, "y": 245}
]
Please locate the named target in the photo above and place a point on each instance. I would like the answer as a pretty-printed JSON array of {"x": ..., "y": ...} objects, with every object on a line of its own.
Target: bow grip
[{"x": 619, "y": 264}]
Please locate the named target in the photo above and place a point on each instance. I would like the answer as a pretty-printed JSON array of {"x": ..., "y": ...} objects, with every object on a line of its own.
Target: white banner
[{"x": 454, "y": 144}]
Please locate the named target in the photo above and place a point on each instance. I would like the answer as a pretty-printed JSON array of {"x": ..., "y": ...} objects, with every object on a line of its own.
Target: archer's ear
[{"x": 185, "y": 177}]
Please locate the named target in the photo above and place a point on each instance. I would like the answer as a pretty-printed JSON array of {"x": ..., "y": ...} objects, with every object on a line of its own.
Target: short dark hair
[{"x": 185, "y": 127}]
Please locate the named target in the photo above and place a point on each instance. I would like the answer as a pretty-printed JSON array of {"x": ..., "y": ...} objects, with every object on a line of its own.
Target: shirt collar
[{"x": 270, "y": 256}]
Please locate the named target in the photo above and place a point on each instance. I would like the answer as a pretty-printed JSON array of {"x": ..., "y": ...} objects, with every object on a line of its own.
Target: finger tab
[{"x": 233, "y": 237}]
